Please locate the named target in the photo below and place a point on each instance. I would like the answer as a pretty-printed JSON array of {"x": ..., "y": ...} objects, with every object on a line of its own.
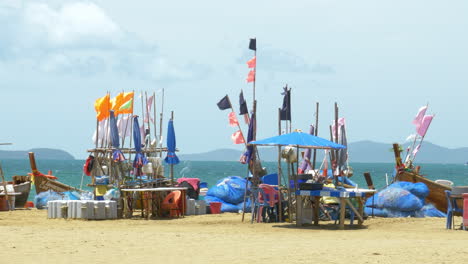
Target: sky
[{"x": 379, "y": 60}]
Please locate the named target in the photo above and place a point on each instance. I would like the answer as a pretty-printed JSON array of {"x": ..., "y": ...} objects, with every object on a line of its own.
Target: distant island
[
  {"x": 40, "y": 153},
  {"x": 361, "y": 151}
]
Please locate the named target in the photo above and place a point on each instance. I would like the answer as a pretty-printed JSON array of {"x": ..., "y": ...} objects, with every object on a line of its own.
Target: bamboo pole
[
  {"x": 154, "y": 116},
  {"x": 280, "y": 209},
  {"x": 315, "y": 133}
]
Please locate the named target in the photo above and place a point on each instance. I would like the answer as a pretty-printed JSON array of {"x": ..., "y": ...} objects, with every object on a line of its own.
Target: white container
[
  {"x": 147, "y": 168},
  {"x": 200, "y": 207},
  {"x": 81, "y": 209},
  {"x": 190, "y": 207}
]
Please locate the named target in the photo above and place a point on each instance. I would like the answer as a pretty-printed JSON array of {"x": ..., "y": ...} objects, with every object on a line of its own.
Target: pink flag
[
  {"x": 149, "y": 104},
  {"x": 426, "y": 121},
  {"x": 419, "y": 117},
  {"x": 252, "y": 63},
  {"x": 233, "y": 120},
  {"x": 251, "y": 76},
  {"x": 237, "y": 137},
  {"x": 341, "y": 122}
]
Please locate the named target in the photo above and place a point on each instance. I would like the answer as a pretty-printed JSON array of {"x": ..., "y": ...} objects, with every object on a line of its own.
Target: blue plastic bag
[{"x": 230, "y": 189}]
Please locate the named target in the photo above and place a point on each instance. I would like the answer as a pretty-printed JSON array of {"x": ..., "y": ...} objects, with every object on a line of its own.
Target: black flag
[
  {"x": 224, "y": 103},
  {"x": 285, "y": 113},
  {"x": 253, "y": 44},
  {"x": 243, "y": 104}
]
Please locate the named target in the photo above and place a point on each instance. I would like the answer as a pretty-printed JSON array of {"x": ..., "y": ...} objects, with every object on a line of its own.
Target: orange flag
[
  {"x": 102, "y": 106},
  {"x": 252, "y": 63},
  {"x": 237, "y": 137},
  {"x": 116, "y": 103},
  {"x": 251, "y": 76},
  {"x": 127, "y": 104}
]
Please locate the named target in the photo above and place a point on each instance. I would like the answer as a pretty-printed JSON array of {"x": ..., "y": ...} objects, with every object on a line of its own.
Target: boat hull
[
  {"x": 436, "y": 191},
  {"x": 23, "y": 188},
  {"x": 44, "y": 184}
]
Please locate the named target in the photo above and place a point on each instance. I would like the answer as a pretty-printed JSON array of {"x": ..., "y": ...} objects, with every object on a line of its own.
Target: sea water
[{"x": 71, "y": 171}]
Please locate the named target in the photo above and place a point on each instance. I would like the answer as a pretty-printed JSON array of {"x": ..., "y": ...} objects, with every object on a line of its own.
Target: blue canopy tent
[
  {"x": 171, "y": 157},
  {"x": 298, "y": 140}
]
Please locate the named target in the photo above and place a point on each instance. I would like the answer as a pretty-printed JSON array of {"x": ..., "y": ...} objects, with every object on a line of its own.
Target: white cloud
[
  {"x": 79, "y": 37},
  {"x": 73, "y": 24}
]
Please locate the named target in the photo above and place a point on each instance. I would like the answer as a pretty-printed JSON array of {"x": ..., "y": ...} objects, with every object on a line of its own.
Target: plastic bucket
[
  {"x": 215, "y": 207},
  {"x": 29, "y": 204}
]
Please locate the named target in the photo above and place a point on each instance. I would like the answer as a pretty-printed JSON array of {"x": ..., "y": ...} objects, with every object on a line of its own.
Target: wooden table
[
  {"x": 343, "y": 196},
  {"x": 148, "y": 198}
]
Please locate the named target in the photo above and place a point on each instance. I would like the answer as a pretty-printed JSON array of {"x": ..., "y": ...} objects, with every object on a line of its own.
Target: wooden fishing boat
[
  {"x": 43, "y": 182},
  {"x": 21, "y": 184},
  {"x": 436, "y": 191}
]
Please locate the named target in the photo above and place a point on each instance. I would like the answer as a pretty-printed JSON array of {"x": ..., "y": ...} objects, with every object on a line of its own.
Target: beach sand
[{"x": 29, "y": 237}]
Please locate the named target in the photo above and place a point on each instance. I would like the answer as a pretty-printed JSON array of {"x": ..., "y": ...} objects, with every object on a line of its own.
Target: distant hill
[
  {"x": 361, "y": 151},
  {"x": 40, "y": 153}
]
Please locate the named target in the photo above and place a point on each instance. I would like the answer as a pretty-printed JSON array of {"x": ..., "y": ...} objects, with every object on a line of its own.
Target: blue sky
[{"x": 380, "y": 60}]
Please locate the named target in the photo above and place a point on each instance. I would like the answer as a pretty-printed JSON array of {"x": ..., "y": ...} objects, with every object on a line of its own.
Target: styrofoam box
[
  {"x": 78, "y": 209},
  {"x": 200, "y": 207}
]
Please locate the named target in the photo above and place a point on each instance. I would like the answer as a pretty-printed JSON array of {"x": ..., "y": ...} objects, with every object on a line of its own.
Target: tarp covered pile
[
  {"x": 402, "y": 199},
  {"x": 230, "y": 193}
]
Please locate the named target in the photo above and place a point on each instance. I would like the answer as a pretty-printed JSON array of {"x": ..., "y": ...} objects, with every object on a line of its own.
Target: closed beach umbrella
[
  {"x": 140, "y": 159},
  {"x": 342, "y": 153},
  {"x": 171, "y": 157},
  {"x": 305, "y": 165},
  {"x": 117, "y": 154}
]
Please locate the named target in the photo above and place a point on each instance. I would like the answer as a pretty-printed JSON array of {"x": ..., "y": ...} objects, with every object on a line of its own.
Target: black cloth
[{"x": 243, "y": 104}]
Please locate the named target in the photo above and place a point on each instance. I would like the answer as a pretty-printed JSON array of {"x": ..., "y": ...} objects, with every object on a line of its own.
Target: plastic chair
[
  {"x": 172, "y": 203},
  {"x": 451, "y": 207},
  {"x": 267, "y": 199}
]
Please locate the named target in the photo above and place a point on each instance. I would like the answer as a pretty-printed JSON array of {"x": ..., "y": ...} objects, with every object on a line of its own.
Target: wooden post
[
  {"x": 396, "y": 152},
  {"x": 315, "y": 133},
  {"x": 369, "y": 182}
]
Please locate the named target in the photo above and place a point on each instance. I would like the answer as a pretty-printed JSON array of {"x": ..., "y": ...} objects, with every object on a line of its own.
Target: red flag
[
  {"x": 233, "y": 120},
  {"x": 237, "y": 137},
  {"x": 252, "y": 63},
  {"x": 426, "y": 121},
  {"x": 251, "y": 76}
]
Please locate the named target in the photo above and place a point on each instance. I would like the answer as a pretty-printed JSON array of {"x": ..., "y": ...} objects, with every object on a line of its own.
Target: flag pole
[
  {"x": 154, "y": 117},
  {"x": 335, "y": 161}
]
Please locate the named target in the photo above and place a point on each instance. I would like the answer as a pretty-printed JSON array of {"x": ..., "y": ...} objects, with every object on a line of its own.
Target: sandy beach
[{"x": 29, "y": 237}]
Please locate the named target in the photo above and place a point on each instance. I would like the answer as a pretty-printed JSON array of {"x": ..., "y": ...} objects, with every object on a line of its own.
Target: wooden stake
[{"x": 5, "y": 188}]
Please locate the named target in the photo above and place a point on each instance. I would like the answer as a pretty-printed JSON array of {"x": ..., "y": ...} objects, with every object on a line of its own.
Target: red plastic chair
[
  {"x": 268, "y": 197},
  {"x": 172, "y": 204}
]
